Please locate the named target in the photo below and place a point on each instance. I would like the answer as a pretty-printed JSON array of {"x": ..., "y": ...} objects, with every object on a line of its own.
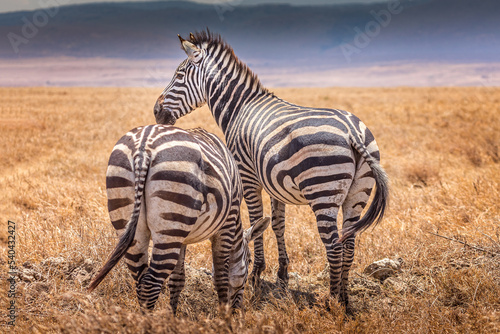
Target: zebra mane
[{"x": 208, "y": 40}]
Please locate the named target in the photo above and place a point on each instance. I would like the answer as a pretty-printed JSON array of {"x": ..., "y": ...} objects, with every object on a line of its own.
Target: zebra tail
[
  {"x": 377, "y": 208},
  {"x": 141, "y": 167}
]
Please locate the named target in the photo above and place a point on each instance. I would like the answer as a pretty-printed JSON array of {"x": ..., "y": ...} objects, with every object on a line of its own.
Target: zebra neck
[
  {"x": 227, "y": 104},
  {"x": 228, "y": 88}
]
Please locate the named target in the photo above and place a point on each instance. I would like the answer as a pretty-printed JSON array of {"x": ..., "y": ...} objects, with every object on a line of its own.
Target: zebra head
[
  {"x": 185, "y": 91},
  {"x": 238, "y": 266}
]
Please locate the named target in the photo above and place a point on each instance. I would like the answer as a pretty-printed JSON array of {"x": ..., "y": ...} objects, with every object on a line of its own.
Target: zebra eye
[{"x": 179, "y": 75}]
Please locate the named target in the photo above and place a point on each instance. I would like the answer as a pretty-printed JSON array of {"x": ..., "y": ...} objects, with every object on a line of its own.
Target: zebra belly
[{"x": 289, "y": 194}]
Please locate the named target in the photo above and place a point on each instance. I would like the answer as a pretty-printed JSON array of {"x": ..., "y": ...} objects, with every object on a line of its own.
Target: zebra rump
[{"x": 376, "y": 210}]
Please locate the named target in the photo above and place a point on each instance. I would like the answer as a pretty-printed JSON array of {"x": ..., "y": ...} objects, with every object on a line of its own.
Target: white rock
[{"x": 383, "y": 269}]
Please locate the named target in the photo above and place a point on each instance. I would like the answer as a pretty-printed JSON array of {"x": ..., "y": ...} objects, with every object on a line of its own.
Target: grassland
[{"x": 440, "y": 147}]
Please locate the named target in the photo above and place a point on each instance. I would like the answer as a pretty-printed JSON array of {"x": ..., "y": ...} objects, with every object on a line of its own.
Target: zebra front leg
[
  {"x": 177, "y": 280},
  {"x": 163, "y": 261},
  {"x": 278, "y": 223},
  {"x": 253, "y": 199}
]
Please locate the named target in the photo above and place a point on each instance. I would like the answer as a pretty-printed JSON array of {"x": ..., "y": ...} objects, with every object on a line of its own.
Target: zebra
[
  {"x": 176, "y": 187},
  {"x": 325, "y": 158}
]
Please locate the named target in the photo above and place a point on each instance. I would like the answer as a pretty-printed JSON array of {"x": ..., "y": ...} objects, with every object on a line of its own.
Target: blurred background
[{"x": 286, "y": 43}]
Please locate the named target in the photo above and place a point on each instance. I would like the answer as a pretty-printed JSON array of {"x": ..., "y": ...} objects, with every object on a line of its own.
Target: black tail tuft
[{"x": 119, "y": 251}]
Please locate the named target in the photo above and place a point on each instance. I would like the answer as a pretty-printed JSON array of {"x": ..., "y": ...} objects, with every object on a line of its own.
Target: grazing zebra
[
  {"x": 324, "y": 158},
  {"x": 176, "y": 187}
]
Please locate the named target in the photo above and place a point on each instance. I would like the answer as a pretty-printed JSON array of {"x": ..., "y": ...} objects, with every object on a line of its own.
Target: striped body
[
  {"x": 176, "y": 187},
  {"x": 285, "y": 151},
  {"x": 325, "y": 158}
]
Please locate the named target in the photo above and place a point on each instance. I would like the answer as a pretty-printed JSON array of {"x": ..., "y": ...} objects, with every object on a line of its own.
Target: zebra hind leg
[
  {"x": 326, "y": 213},
  {"x": 355, "y": 202},
  {"x": 347, "y": 259},
  {"x": 278, "y": 223},
  {"x": 328, "y": 232},
  {"x": 177, "y": 280},
  {"x": 163, "y": 262}
]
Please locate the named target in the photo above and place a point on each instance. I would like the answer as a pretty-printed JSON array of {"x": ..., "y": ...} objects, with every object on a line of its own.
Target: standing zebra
[
  {"x": 176, "y": 187},
  {"x": 325, "y": 158}
]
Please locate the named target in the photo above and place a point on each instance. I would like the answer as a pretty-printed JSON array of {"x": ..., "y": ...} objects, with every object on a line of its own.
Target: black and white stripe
[
  {"x": 325, "y": 158},
  {"x": 176, "y": 187}
]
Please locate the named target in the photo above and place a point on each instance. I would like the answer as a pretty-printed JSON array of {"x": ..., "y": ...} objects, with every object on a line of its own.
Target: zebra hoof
[
  {"x": 174, "y": 309},
  {"x": 344, "y": 300},
  {"x": 349, "y": 311}
]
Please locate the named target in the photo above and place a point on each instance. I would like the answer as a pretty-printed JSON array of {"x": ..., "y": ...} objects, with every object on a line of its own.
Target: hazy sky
[{"x": 17, "y": 5}]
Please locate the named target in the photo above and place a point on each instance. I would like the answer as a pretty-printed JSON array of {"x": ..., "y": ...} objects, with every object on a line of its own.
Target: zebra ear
[
  {"x": 193, "y": 52},
  {"x": 257, "y": 229},
  {"x": 192, "y": 38}
]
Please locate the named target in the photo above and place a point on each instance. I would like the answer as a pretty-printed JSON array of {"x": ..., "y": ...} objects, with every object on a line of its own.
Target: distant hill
[{"x": 428, "y": 30}]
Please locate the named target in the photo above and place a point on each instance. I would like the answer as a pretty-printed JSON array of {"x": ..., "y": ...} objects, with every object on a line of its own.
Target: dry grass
[{"x": 440, "y": 147}]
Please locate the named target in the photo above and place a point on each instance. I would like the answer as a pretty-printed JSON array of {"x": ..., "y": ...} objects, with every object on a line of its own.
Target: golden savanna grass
[{"x": 439, "y": 146}]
